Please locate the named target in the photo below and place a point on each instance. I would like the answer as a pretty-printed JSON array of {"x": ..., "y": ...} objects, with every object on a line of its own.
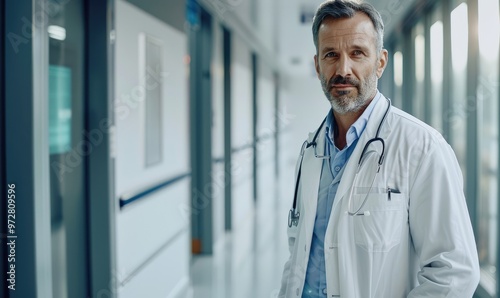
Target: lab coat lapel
[
  {"x": 311, "y": 173},
  {"x": 369, "y": 132}
]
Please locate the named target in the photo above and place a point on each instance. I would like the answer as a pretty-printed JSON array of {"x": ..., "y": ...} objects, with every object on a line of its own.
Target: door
[{"x": 69, "y": 145}]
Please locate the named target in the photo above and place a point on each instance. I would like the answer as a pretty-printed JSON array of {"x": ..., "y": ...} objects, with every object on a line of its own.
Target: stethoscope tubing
[{"x": 294, "y": 215}]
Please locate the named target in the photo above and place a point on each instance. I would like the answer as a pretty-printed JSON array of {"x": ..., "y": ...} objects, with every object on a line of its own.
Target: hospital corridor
[{"x": 164, "y": 149}]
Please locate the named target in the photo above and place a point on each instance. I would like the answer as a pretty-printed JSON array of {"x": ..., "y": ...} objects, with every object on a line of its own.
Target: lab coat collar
[
  {"x": 357, "y": 128},
  {"x": 369, "y": 133},
  {"x": 375, "y": 119}
]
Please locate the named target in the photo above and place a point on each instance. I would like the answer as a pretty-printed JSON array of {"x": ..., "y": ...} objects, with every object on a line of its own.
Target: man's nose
[{"x": 344, "y": 66}]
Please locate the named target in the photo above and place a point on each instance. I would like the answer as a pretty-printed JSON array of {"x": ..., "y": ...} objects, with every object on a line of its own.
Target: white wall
[
  {"x": 218, "y": 174},
  {"x": 265, "y": 131},
  {"x": 241, "y": 132},
  {"x": 242, "y": 161},
  {"x": 242, "y": 9},
  {"x": 156, "y": 227},
  {"x": 295, "y": 38},
  {"x": 306, "y": 106},
  {"x": 266, "y": 23}
]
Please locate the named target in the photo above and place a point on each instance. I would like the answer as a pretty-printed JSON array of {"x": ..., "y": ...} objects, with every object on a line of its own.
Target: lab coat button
[{"x": 324, "y": 291}]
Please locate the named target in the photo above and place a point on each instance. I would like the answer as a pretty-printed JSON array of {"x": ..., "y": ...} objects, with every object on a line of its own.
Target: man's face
[{"x": 348, "y": 63}]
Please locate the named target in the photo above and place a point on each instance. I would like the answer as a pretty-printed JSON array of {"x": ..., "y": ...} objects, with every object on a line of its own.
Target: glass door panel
[{"x": 68, "y": 148}]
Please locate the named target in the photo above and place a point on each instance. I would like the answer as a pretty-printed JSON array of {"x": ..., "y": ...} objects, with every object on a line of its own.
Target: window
[
  {"x": 418, "y": 95},
  {"x": 487, "y": 98},
  {"x": 398, "y": 78},
  {"x": 151, "y": 67},
  {"x": 436, "y": 40},
  {"x": 458, "y": 113},
  {"x": 69, "y": 141}
]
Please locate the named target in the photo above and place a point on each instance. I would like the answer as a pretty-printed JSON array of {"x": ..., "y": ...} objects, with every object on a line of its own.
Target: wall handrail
[
  {"x": 129, "y": 198},
  {"x": 246, "y": 146}
]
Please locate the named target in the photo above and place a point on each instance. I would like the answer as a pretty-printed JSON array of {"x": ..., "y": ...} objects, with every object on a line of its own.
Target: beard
[{"x": 346, "y": 101}]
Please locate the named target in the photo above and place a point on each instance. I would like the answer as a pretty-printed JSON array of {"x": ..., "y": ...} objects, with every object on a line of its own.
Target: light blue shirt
[{"x": 315, "y": 283}]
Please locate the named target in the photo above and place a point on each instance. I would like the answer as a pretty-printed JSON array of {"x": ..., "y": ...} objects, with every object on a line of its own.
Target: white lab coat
[{"x": 419, "y": 243}]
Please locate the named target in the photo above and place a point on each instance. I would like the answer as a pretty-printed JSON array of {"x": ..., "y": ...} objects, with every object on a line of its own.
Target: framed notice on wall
[{"x": 151, "y": 68}]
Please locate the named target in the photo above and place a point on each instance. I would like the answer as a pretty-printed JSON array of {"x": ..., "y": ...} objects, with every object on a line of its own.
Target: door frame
[
  {"x": 102, "y": 205},
  {"x": 26, "y": 147},
  {"x": 200, "y": 47}
]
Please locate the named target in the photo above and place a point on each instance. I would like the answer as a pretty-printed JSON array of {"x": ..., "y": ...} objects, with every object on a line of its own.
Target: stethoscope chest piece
[{"x": 293, "y": 218}]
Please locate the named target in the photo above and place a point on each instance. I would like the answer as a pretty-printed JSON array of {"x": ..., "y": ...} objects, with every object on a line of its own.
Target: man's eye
[
  {"x": 330, "y": 55},
  {"x": 357, "y": 53}
]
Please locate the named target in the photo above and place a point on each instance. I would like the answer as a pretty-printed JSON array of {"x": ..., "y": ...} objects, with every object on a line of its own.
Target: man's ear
[
  {"x": 382, "y": 62},
  {"x": 316, "y": 65}
]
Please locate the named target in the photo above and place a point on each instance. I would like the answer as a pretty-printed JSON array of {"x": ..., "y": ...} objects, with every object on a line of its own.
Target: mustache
[{"x": 342, "y": 80}]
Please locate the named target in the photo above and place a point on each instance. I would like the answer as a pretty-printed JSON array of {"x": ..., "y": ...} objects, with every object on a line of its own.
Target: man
[{"x": 380, "y": 209}]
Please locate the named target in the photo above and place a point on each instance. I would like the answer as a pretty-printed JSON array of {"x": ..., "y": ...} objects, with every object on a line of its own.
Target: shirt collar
[{"x": 357, "y": 128}]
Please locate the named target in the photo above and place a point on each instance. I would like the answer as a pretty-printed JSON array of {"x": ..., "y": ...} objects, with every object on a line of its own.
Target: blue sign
[{"x": 59, "y": 109}]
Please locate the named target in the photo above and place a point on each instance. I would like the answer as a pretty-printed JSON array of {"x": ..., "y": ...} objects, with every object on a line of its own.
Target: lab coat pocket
[
  {"x": 380, "y": 228},
  {"x": 292, "y": 234}
]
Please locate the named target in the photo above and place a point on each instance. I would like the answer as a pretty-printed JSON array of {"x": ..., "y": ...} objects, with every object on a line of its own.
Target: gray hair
[{"x": 337, "y": 9}]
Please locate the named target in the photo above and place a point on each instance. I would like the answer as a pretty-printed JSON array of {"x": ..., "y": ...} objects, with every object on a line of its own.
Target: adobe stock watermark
[
  {"x": 220, "y": 8},
  {"x": 457, "y": 114},
  {"x": 393, "y": 8},
  {"x": 40, "y": 20},
  {"x": 223, "y": 6},
  {"x": 460, "y": 111},
  {"x": 113, "y": 286},
  {"x": 130, "y": 100},
  {"x": 123, "y": 106},
  {"x": 201, "y": 198},
  {"x": 73, "y": 159},
  {"x": 295, "y": 276}
]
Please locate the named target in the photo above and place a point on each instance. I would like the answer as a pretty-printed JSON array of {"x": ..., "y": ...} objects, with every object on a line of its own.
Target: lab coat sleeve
[
  {"x": 286, "y": 274},
  {"x": 291, "y": 234},
  {"x": 440, "y": 227}
]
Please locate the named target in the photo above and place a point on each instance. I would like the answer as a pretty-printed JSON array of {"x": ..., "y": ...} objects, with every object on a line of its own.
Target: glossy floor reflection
[{"x": 249, "y": 261}]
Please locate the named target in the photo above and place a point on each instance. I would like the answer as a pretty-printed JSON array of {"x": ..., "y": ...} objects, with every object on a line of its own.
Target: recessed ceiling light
[{"x": 57, "y": 32}]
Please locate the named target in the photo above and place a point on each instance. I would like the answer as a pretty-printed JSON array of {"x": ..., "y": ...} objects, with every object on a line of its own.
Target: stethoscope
[{"x": 294, "y": 214}]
